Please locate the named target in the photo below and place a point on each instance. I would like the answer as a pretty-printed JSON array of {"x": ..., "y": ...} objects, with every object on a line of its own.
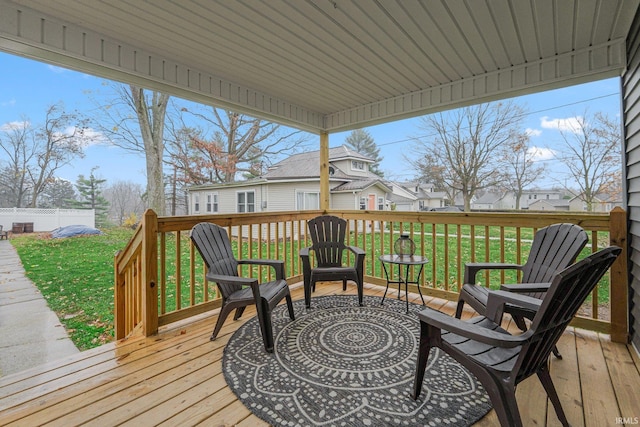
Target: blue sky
[{"x": 28, "y": 87}]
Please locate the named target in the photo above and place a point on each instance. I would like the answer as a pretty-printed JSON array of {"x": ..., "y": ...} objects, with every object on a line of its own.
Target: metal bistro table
[{"x": 407, "y": 261}]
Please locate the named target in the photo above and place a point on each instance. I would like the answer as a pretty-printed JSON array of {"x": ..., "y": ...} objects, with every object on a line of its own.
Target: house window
[
  {"x": 380, "y": 203},
  {"x": 246, "y": 201},
  {"x": 212, "y": 202},
  {"x": 196, "y": 203},
  {"x": 363, "y": 203},
  {"x": 307, "y": 200},
  {"x": 357, "y": 165}
]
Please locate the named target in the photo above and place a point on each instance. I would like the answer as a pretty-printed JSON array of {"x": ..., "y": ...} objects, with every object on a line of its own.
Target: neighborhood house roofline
[{"x": 227, "y": 184}]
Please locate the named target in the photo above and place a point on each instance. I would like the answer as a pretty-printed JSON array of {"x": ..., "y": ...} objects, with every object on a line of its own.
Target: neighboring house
[
  {"x": 487, "y": 201},
  {"x": 416, "y": 196},
  {"x": 294, "y": 184},
  {"x": 549, "y": 205},
  {"x": 507, "y": 200},
  {"x": 601, "y": 203}
]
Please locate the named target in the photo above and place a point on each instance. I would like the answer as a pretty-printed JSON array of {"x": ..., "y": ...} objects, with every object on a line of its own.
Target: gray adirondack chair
[
  {"x": 500, "y": 360},
  {"x": 328, "y": 234},
  {"x": 212, "y": 242},
  {"x": 554, "y": 248}
]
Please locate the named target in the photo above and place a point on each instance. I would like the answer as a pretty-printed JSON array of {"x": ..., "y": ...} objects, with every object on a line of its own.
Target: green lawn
[{"x": 75, "y": 275}]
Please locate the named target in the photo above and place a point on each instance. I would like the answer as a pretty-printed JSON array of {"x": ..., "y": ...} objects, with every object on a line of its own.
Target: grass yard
[{"x": 75, "y": 275}]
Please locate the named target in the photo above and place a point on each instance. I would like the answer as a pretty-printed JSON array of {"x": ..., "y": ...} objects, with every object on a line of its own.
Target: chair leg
[
  {"x": 222, "y": 316},
  {"x": 344, "y": 284},
  {"x": 239, "y": 312},
  {"x": 307, "y": 294},
  {"x": 459, "y": 308},
  {"x": 519, "y": 321},
  {"x": 503, "y": 399},
  {"x": 264, "y": 318},
  {"x": 423, "y": 358},
  {"x": 290, "y": 307},
  {"x": 360, "y": 293},
  {"x": 547, "y": 383}
]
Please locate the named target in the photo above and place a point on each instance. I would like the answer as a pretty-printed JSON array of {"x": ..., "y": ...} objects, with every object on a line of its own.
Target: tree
[
  {"x": 90, "y": 196},
  {"x": 361, "y": 141},
  {"x": 592, "y": 155},
  {"x": 125, "y": 199},
  {"x": 16, "y": 142},
  {"x": 60, "y": 194},
  {"x": 464, "y": 144},
  {"x": 142, "y": 132},
  {"x": 520, "y": 169},
  {"x": 35, "y": 153},
  {"x": 236, "y": 143}
]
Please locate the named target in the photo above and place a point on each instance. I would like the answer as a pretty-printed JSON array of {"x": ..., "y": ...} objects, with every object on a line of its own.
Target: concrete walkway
[{"x": 30, "y": 333}]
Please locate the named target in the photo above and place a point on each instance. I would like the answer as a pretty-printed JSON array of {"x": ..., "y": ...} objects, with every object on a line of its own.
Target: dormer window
[{"x": 357, "y": 165}]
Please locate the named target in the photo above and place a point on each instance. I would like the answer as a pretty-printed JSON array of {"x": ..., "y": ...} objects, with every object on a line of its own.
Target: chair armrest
[
  {"x": 525, "y": 287},
  {"x": 472, "y": 269},
  {"x": 277, "y": 264},
  {"x": 230, "y": 280},
  {"x": 356, "y": 250},
  {"x": 470, "y": 330},
  {"x": 498, "y": 299},
  {"x": 359, "y": 254}
]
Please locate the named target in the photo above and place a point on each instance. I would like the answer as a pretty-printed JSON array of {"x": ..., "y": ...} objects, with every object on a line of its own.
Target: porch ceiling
[{"x": 328, "y": 65}]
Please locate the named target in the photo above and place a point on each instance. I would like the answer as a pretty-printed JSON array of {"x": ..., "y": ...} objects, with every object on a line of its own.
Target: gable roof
[{"x": 307, "y": 165}]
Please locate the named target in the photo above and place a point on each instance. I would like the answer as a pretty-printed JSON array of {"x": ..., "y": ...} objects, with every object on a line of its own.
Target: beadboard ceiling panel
[{"x": 328, "y": 65}]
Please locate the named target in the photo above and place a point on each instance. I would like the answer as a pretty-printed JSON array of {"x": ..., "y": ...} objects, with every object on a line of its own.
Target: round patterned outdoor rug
[{"x": 343, "y": 365}]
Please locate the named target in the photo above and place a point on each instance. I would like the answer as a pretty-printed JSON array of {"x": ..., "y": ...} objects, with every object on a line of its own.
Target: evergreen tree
[
  {"x": 361, "y": 141},
  {"x": 90, "y": 196}
]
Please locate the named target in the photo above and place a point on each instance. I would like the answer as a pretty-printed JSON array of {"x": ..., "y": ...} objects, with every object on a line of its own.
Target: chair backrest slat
[
  {"x": 212, "y": 241},
  {"x": 328, "y": 234},
  {"x": 554, "y": 248},
  {"x": 568, "y": 291}
]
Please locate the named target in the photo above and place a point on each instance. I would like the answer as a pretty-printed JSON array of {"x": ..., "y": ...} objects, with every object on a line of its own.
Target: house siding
[
  {"x": 631, "y": 117},
  {"x": 282, "y": 196}
]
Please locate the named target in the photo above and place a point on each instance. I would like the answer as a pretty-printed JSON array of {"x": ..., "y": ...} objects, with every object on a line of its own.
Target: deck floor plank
[
  {"x": 566, "y": 379},
  {"x": 175, "y": 378},
  {"x": 624, "y": 377},
  {"x": 598, "y": 397}
]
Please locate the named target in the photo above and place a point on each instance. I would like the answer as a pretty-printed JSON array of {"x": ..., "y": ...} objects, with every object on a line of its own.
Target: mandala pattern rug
[{"x": 339, "y": 364}]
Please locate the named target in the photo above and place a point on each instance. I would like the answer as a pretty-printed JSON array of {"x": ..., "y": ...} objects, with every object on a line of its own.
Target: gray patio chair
[
  {"x": 328, "y": 235},
  {"x": 554, "y": 248},
  {"x": 500, "y": 360},
  {"x": 237, "y": 292}
]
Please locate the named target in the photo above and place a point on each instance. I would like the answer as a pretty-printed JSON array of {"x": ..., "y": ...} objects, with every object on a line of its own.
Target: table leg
[{"x": 386, "y": 274}]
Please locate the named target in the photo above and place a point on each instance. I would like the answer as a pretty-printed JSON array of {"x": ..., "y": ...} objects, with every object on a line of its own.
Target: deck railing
[{"x": 160, "y": 278}]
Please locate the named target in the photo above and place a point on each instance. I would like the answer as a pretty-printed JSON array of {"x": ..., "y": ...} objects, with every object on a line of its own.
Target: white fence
[{"x": 46, "y": 219}]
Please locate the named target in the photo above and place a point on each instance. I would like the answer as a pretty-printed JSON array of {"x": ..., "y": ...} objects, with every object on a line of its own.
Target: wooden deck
[{"x": 176, "y": 378}]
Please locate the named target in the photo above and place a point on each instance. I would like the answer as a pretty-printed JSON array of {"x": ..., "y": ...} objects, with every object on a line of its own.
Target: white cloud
[
  {"x": 532, "y": 132},
  {"x": 9, "y": 103},
  {"x": 541, "y": 153},
  {"x": 570, "y": 124},
  {"x": 55, "y": 69},
  {"x": 8, "y": 127},
  {"x": 88, "y": 136}
]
